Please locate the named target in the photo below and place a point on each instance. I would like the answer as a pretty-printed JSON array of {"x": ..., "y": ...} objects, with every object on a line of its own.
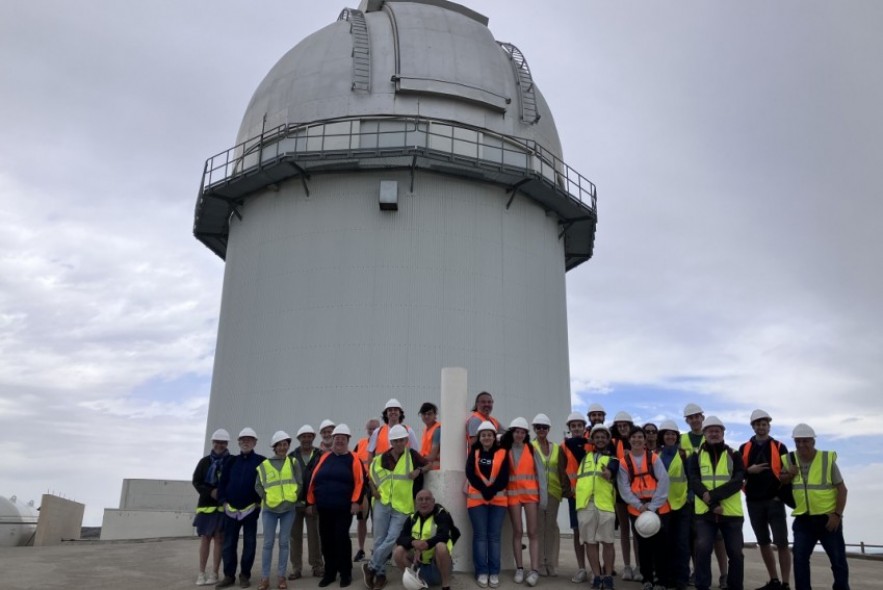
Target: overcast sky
[{"x": 739, "y": 261}]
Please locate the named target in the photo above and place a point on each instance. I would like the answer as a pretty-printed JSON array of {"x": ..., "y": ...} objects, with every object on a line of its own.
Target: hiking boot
[
  {"x": 225, "y": 583},
  {"x": 245, "y": 581},
  {"x": 360, "y": 555},
  {"x": 368, "y": 575}
]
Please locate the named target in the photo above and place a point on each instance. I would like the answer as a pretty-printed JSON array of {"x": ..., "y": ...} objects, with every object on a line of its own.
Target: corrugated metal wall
[{"x": 331, "y": 306}]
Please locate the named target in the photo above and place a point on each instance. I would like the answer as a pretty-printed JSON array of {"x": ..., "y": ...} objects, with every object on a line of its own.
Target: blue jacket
[{"x": 237, "y": 480}]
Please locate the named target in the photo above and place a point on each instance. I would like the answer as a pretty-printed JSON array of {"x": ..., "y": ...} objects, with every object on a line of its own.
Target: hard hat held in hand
[{"x": 647, "y": 524}]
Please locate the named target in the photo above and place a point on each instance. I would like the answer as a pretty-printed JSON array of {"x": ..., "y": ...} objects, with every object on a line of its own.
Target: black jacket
[{"x": 445, "y": 529}]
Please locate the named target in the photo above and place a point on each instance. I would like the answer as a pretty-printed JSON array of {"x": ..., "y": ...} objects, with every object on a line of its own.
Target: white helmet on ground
[
  {"x": 623, "y": 417},
  {"x": 221, "y": 435},
  {"x": 803, "y": 431},
  {"x": 712, "y": 421},
  {"x": 248, "y": 432},
  {"x": 691, "y": 409},
  {"x": 325, "y": 424},
  {"x": 398, "y": 431},
  {"x": 278, "y": 437},
  {"x": 411, "y": 580},
  {"x": 759, "y": 415},
  {"x": 647, "y": 524},
  {"x": 541, "y": 420},
  {"x": 576, "y": 416},
  {"x": 668, "y": 425},
  {"x": 305, "y": 429},
  {"x": 519, "y": 423},
  {"x": 486, "y": 425},
  {"x": 341, "y": 429}
]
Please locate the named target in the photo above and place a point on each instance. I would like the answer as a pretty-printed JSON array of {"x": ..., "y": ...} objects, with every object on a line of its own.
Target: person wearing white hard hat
[
  {"x": 209, "y": 515},
  {"x": 526, "y": 496},
  {"x": 674, "y": 459},
  {"x": 596, "y": 414},
  {"x": 595, "y": 500},
  {"x": 619, "y": 443},
  {"x": 391, "y": 476},
  {"x": 279, "y": 484},
  {"x": 326, "y": 428},
  {"x": 573, "y": 449},
  {"x": 306, "y": 456},
  {"x": 547, "y": 526},
  {"x": 820, "y": 499},
  {"x": 335, "y": 493},
  {"x": 242, "y": 508},
  {"x": 763, "y": 498},
  {"x": 362, "y": 516},
  {"x": 427, "y": 540},
  {"x": 643, "y": 485},
  {"x": 693, "y": 416},
  {"x": 481, "y": 412},
  {"x": 487, "y": 475},
  {"x": 393, "y": 414},
  {"x": 716, "y": 474}
]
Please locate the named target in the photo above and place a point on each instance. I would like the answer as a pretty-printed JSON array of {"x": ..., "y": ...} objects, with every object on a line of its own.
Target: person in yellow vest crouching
[
  {"x": 820, "y": 498},
  {"x": 426, "y": 540},
  {"x": 716, "y": 474},
  {"x": 391, "y": 476},
  {"x": 279, "y": 485}
]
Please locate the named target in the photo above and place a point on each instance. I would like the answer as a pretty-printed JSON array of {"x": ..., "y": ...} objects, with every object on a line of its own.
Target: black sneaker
[
  {"x": 360, "y": 555},
  {"x": 244, "y": 581},
  {"x": 326, "y": 581},
  {"x": 345, "y": 581},
  {"x": 226, "y": 582},
  {"x": 773, "y": 584}
]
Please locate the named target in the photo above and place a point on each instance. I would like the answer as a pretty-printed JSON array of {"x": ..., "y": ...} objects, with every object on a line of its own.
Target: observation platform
[{"x": 289, "y": 152}]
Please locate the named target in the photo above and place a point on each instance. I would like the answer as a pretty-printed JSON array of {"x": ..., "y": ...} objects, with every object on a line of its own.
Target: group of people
[{"x": 675, "y": 496}]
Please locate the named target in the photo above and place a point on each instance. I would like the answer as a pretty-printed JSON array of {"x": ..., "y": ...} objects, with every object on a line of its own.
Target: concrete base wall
[
  {"x": 60, "y": 520},
  {"x": 158, "y": 494},
  {"x": 146, "y": 524}
]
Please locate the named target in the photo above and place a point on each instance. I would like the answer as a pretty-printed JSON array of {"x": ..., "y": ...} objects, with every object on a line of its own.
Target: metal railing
[{"x": 382, "y": 137}]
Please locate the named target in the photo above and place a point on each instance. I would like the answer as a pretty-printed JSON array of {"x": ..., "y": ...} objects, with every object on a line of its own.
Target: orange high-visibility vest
[
  {"x": 362, "y": 451},
  {"x": 775, "y": 456},
  {"x": 473, "y": 496},
  {"x": 524, "y": 486},
  {"x": 358, "y": 479},
  {"x": 571, "y": 465},
  {"x": 643, "y": 483},
  {"x": 619, "y": 449},
  {"x": 426, "y": 444}
]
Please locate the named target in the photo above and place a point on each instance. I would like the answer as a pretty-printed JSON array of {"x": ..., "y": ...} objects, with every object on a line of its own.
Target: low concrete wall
[
  {"x": 146, "y": 524},
  {"x": 158, "y": 494},
  {"x": 60, "y": 520}
]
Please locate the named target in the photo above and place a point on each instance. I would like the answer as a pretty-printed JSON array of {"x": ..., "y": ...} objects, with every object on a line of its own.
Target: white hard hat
[
  {"x": 759, "y": 415},
  {"x": 668, "y": 425},
  {"x": 393, "y": 403},
  {"x": 647, "y": 524},
  {"x": 411, "y": 580},
  {"x": 248, "y": 432},
  {"x": 278, "y": 437},
  {"x": 599, "y": 427},
  {"x": 542, "y": 420},
  {"x": 576, "y": 416},
  {"x": 325, "y": 424},
  {"x": 341, "y": 429},
  {"x": 519, "y": 423},
  {"x": 398, "y": 431},
  {"x": 623, "y": 417},
  {"x": 803, "y": 431},
  {"x": 486, "y": 425},
  {"x": 305, "y": 429},
  {"x": 712, "y": 421},
  {"x": 596, "y": 408},
  {"x": 691, "y": 409},
  {"x": 221, "y": 434}
]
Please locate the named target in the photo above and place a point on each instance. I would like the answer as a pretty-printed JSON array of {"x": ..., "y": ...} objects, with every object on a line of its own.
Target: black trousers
[{"x": 337, "y": 546}]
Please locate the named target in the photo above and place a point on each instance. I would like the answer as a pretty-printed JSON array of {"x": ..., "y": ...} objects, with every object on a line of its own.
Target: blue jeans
[
  {"x": 387, "y": 526},
  {"x": 270, "y": 520},
  {"x": 249, "y": 528},
  {"x": 808, "y": 530},
  {"x": 487, "y": 522},
  {"x": 730, "y": 528}
]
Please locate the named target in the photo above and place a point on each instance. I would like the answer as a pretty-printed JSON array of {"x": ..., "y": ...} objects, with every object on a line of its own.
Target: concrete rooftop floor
[{"x": 172, "y": 564}]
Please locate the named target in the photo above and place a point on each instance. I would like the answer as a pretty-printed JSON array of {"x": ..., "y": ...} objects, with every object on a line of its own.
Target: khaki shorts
[{"x": 595, "y": 526}]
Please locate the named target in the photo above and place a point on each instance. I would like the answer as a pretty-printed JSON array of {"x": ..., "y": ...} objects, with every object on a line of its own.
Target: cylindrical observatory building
[{"x": 396, "y": 203}]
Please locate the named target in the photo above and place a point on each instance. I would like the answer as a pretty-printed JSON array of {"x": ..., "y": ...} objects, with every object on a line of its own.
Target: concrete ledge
[{"x": 146, "y": 524}]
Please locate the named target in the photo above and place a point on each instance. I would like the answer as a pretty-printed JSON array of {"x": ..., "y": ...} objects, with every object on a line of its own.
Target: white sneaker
[
  {"x": 211, "y": 578},
  {"x": 495, "y": 581},
  {"x": 533, "y": 577},
  {"x": 482, "y": 580},
  {"x": 200, "y": 579},
  {"x": 627, "y": 573},
  {"x": 519, "y": 575},
  {"x": 580, "y": 577}
]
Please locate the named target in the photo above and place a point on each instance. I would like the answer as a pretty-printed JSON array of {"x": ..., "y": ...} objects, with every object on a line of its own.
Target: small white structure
[
  {"x": 151, "y": 508},
  {"x": 18, "y": 522}
]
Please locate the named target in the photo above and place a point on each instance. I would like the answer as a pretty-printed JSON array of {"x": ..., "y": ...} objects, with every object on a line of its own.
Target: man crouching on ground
[{"x": 429, "y": 533}]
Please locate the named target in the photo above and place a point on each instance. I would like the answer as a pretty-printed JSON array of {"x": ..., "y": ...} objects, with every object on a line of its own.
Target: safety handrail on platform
[{"x": 372, "y": 136}]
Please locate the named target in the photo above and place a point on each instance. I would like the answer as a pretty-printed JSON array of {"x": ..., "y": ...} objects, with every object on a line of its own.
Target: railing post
[{"x": 862, "y": 544}]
